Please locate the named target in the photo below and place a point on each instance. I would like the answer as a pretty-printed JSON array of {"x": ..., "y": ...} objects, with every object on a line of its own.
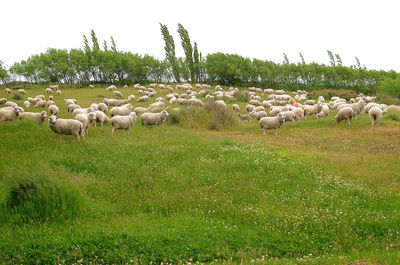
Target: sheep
[
  {"x": 131, "y": 97},
  {"x": 370, "y": 106},
  {"x": 152, "y": 94},
  {"x": 51, "y": 98},
  {"x": 115, "y": 102},
  {"x": 41, "y": 97},
  {"x": 101, "y": 117},
  {"x": 66, "y": 126},
  {"x": 121, "y": 111},
  {"x": 267, "y": 123},
  {"x": 140, "y": 110},
  {"x": 49, "y": 91},
  {"x": 41, "y": 104},
  {"x": 125, "y": 86},
  {"x": 321, "y": 99},
  {"x": 156, "y": 106},
  {"x": 258, "y": 114},
  {"x": 275, "y": 111},
  {"x": 53, "y": 109},
  {"x": 394, "y": 108},
  {"x": 249, "y": 108},
  {"x": 310, "y": 110},
  {"x": 34, "y": 116},
  {"x": 143, "y": 99},
  {"x": 27, "y": 104},
  {"x": 55, "y": 87},
  {"x": 58, "y": 92},
  {"x": 375, "y": 114},
  {"x": 195, "y": 102},
  {"x": 110, "y": 88},
  {"x": 72, "y": 107},
  {"x": 21, "y": 91},
  {"x": 123, "y": 122},
  {"x": 289, "y": 115},
  {"x": 86, "y": 119},
  {"x": 244, "y": 117},
  {"x": 149, "y": 118},
  {"x": 259, "y": 108},
  {"x": 7, "y": 90},
  {"x": 94, "y": 106},
  {"x": 102, "y": 107},
  {"x": 324, "y": 111},
  {"x": 345, "y": 113},
  {"x": 3, "y": 100},
  {"x": 220, "y": 105},
  {"x": 117, "y": 94},
  {"x": 91, "y": 86},
  {"x": 80, "y": 111},
  {"x": 70, "y": 101},
  {"x": 236, "y": 107},
  {"x": 49, "y": 103},
  {"x": 299, "y": 113},
  {"x": 10, "y": 113},
  {"x": 255, "y": 102}
]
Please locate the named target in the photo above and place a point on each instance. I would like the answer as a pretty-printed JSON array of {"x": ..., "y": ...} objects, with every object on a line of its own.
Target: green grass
[{"x": 318, "y": 193}]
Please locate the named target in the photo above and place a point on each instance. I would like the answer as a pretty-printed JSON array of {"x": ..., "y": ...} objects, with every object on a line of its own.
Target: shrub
[
  {"x": 386, "y": 99},
  {"x": 328, "y": 93},
  {"x": 242, "y": 96},
  {"x": 393, "y": 115},
  {"x": 16, "y": 96}
]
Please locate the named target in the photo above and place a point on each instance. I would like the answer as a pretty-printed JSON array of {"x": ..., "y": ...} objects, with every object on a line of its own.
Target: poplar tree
[
  {"x": 188, "y": 49},
  {"x": 170, "y": 51},
  {"x": 285, "y": 59},
  {"x": 331, "y": 58},
  {"x": 302, "y": 58},
  {"x": 196, "y": 66},
  {"x": 338, "y": 59},
  {"x": 105, "y": 46},
  {"x": 358, "y": 64},
  {"x": 113, "y": 45},
  {"x": 94, "y": 41}
]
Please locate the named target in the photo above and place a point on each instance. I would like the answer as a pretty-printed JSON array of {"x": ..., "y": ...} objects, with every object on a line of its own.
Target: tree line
[{"x": 107, "y": 64}]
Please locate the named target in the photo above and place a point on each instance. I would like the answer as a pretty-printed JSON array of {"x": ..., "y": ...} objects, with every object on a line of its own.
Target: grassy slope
[{"x": 179, "y": 194}]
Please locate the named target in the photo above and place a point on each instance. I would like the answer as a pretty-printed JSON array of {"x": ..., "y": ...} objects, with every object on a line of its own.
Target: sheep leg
[
  {"x": 276, "y": 132},
  {"x": 263, "y": 130},
  {"x": 113, "y": 130}
]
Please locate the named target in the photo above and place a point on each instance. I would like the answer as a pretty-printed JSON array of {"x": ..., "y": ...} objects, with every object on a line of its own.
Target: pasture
[{"x": 317, "y": 193}]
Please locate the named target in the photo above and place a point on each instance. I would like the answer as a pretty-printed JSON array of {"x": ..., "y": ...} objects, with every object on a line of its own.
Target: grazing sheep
[
  {"x": 275, "y": 111},
  {"x": 259, "y": 108},
  {"x": 258, "y": 114},
  {"x": 148, "y": 118},
  {"x": 112, "y": 87},
  {"x": 55, "y": 87},
  {"x": 11, "y": 104},
  {"x": 117, "y": 94},
  {"x": 375, "y": 114},
  {"x": 51, "y": 98},
  {"x": 310, "y": 110},
  {"x": 152, "y": 94},
  {"x": 267, "y": 123},
  {"x": 140, "y": 110},
  {"x": 94, "y": 106},
  {"x": 125, "y": 86},
  {"x": 121, "y": 111},
  {"x": 58, "y": 92},
  {"x": 49, "y": 91},
  {"x": 244, "y": 117},
  {"x": 131, "y": 97},
  {"x": 27, "y": 104},
  {"x": 220, "y": 105},
  {"x": 123, "y": 122},
  {"x": 309, "y": 102},
  {"x": 10, "y": 113},
  {"x": 370, "y": 106},
  {"x": 143, "y": 99},
  {"x": 72, "y": 107},
  {"x": 41, "y": 97},
  {"x": 102, "y": 107},
  {"x": 66, "y": 126},
  {"x": 195, "y": 102},
  {"x": 41, "y": 104},
  {"x": 34, "y": 116},
  {"x": 53, "y": 109},
  {"x": 91, "y": 86},
  {"x": 394, "y": 108},
  {"x": 299, "y": 113},
  {"x": 255, "y": 102},
  {"x": 21, "y": 91},
  {"x": 49, "y": 103},
  {"x": 80, "y": 111},
  {"x": 345, "y": 113},
  {"x": 289, "y": 115},
  {"x": 7, "y": 90},
  {"x": 101, "y": 117},
  {"x": 70, "y": 101},
  {"x": 156, "y": 106},
  {"x": 236, "y": 107},
  {"x": 115, "y": 102},
  {"x": 324, "y": 111},
  {"x": 249, "y": 108},
  {"x": 3, "y": 100},
  {"x": 86, "y": 119}
]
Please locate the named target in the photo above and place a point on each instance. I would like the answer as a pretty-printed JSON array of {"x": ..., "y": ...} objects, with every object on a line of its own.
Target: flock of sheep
[{"x": 272, "y": 108}]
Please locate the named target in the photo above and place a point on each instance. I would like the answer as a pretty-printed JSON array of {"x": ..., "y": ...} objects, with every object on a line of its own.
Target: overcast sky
[{"x": 255, "y": 29}]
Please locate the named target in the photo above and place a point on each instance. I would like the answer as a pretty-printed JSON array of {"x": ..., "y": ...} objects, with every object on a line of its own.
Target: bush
[
  {"x": 386, "y": 99},
  {"x": 393, "y": 115},
  {"x": 16, "y": 96},
  {"x": 242, "y": 96},
  {"x": 41, "y": 199},
  {"x": 328, "y": 93}
]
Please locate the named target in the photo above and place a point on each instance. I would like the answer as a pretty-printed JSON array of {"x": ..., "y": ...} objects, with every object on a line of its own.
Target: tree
[
  {"x": 331, "y": 58},
  {"x": 105, "y": 45},
  {"x": 338, "y": 59},
  {"x": 358, "y": 64},
  {"x": 188, "y": 49},
  {"x": 170, "y": 51},
  {"x": 113, "y": 45},
  {"x": 95, "y": 42},
  {"x": 3, "y": 73},
  {"x": 285, "y": 59},
  {"x": 196, "y": 65},
  {"x": 392, "y": 87},
  {"x": 302, "y": 58}
]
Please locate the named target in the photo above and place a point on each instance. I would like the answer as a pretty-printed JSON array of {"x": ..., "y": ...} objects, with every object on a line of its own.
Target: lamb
[
  {"x": 244, "y": 117},
  {"x": 34, "y": 116},
  {"x": 10, "y": 113},
  {"x": 121, "y": 111},
  {"x": 117, "y": 94},
  {"x": 267, "y": 123},
  {"x": 53, "y": 109},
  {"x": 345, "y": 113},
  {"x": 123, "y": 122},
  {"x": 72, "y": 107},
  {"x": 66, "y": 126},
  {"x": 41, "y": 104},
  {"x": 81, "y": 111},
  {"x": 101, "y": 118},
  {"x": 375, "y": 114},
  {"x": 102, "y": 107},
  {"x": 140, "y": 110},
  {"x": 236, "y": 107},
  {"x": 143, "y": 99},
  {"x": 21, "y": 91},
  {"x": 148, "y": 118},
  {"x": 310, "y": 110},
  {"x": 289, "y": 115},
  {"x": 7, "y": 90},
  {"x": 3, "y": 100},
  {"x": 86, "y": 120},
  {"x": 258, "y": 114},
  {"x": 27, "y": 104},
  {"x": 324, "y": 111}
]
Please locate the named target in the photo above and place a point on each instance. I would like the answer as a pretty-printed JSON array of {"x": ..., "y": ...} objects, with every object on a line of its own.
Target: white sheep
[
  {"x": 86, "y": 120},
  {"x": 49, "y": 91},
  {"x": 131, "y": 97},
  {"x": 123, "y": 122},
  {"x": 72, "y": 107},
  {"x": 49, "y": 103},
  {"x": 10, "y": 113},
  {"x": 41, "y": 104},
  {"x": 275, "y": 111},
  {"x": 101, "y": 118},
  {"x": 66, "y": 126},
  {"x": 102, "y": 107},
  {"x": 125, "y": 86},
  {"x": 3, "y": 100},
  {"x": 112, "y": 87},
  {"x": 268, "y": 123},
  {"x": 91, "y": 86},
  {"x": 51, "y": 98},
  {"x": 220, "y": 105},
  {"x": 259, "y": 108},
  {"x": 34, "y": 116},
  {"x": 310, "y": 110},
  {"x": 27, "y": 104},
  {"x": 375, "y": 114},
  {"x": 324, "y": 111},
  {"x": 148, "y": 118},
  {"x": 249, "y": 108},
  {"x": 11, "y": 104},
  {"x": 117, "y": 94},
  {"x": 53, "y": 110},
  {"x": 289, "y": 115},
  {"x": 21, "y": 91},
  {"x": 94, "y": 106},
  {"x": 69, "y": 101},
  {"x": 121, "y": 111},
  {"x": 80, "y": 111},
  {"x": 143, "y": 99},
  {"x": 345, "y": 113},
  {"x": 7, "y": 90},
  {"x": 299, "y": 113},
  {"x": 258, "y": 114},
  {"x": 236, "y": 107},
  {"x": 140, "y": 110},
  {"x": 58, "y": 92}
]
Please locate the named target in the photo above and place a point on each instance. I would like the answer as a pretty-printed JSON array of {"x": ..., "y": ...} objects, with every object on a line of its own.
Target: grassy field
[{"x": 318, "y": 193}]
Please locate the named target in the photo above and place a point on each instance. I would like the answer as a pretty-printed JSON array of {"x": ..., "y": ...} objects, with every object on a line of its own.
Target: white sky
[{"x": 255, "y": 29}]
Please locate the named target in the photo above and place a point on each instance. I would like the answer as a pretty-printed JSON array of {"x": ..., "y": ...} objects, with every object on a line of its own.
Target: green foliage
[
  {"x": 3, "y": 73},
  {"x": 328, "y": 93},
  {"x": 16, "y": 96},
  {"x": 331, "y": 58},
  {"x": 170, "y": 51},
  {"x": 391, "y": 86},
  {"x": 242, "y": 96},
  {"x": 188, "y": 49},
  {"x": 393, "y": 115}
]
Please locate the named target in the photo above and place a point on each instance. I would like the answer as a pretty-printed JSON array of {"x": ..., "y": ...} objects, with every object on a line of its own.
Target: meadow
[{"x": 317, "y": 193}]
